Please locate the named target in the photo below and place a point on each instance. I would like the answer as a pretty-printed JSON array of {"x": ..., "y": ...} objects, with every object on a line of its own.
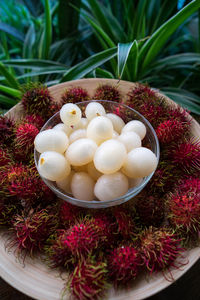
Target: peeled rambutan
[
  {"x": 184, "y": 208},
  {"x": 74, "y": 95},
  {"x": 150, "y": 209},
  {"x": 186, "y": 155},
  {"x": 37, "y": 100},
  {"x": 25, "y": 136},
  {"x": 123, "y": 264},
  {"x": 35, "y": 120},
  {"x": 68, "y": 214},
  {"x": 125, "y": 222},
  {"x": 7, "y": 126},
  {"x": 88, "y": 280},
  {"x": 5, "y": 157},
  {"x": 84, "y": 237},
  {"x": 32, "y": 230},
  {"x": 171, "y": 130},
  {"x": 159, "y": 248},
  {"x": 57, "y": 252},
  {"x": 107, "y": 92}
]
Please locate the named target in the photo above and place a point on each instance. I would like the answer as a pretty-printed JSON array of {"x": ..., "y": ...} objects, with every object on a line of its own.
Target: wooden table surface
[{"x": 186, "y": 288}]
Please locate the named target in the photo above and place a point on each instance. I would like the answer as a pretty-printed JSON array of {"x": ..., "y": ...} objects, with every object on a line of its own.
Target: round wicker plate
[{"x": 38, "y": 281}]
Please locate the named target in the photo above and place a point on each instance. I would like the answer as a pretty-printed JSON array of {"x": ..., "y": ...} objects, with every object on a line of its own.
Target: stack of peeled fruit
[{"x": 96, "y": 157}]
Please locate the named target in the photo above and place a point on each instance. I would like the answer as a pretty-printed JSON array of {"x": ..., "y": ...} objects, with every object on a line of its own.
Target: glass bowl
[{"x": 127, "y": 114}]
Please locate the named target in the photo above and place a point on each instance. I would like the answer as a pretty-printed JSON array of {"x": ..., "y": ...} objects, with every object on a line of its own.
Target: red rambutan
[
  {"x": 7, "y": 210},
  {"x": 37, "y": 100},
  {"x": 74, "y": 95},
  {"x": 25, "y": 136},
  {"x": 186, "y": 155},
  {"x": 5, "y": 157},
  {"x": 150, "y": 209},
  {"x": 35, "y": 120},
  {"x": 32, "y": 230},
  {"x": 125, "y": 223},
  {"x": 88, "y": 280},
  {"x": 7, "y": 126},
  {"x": 68, "y": 214},
  {"x": 171, "y": 130},
  {"x": 84, "y": 237},
  {"x": 184, "y": 208},
  {"x": 159, "y": 248},
  {"x": 107, "y": 92},
  {"x": 123, "y": 264}
]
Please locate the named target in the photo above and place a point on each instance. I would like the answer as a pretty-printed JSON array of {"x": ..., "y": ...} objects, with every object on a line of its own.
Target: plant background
[{"x": 155, "y": 42}]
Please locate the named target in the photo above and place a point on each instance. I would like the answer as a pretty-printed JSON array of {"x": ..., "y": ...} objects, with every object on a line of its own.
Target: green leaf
[
  {"x": 101, "y": 73},
  {"x": 8, "y": 102},
  {"x": 174, "y": 60},
  {"x": 12, "y": 31},
  {"x": 155, "y": 43},
  {"x": 123, "y": 53},
  {"x": 32, "y": 63},
  {"x": 10, "y": 91},
  {"x": 68, "y": 17},
  {"x": 9, "y": 77},
  {"x": 89, "y": 64},
  {"x": 29, "y": 42},
  {"x": 47, "y": 31}
]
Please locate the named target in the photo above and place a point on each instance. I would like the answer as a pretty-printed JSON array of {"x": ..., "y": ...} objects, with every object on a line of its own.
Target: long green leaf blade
[
  {"x": 9, "y": 77},
  {"x": 88, "y": 65},
  {"x": 32, "y": 63},
  {"x": 12, "y": 92},
  {"x": 123, "y": 53},
  {"x": 8, "y": 102},
  {"x": 47, "y": 31},
  {"x": 12, "y": 31}
]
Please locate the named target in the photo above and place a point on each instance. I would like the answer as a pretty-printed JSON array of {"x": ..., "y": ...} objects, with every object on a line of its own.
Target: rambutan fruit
[
  {"x": 7, "y": 210},
  {"x": 159, "y": 248},
  {"x": 37, "y": 100},
  {"x": 184, "y": 208},
  {"x": 186, "y": 155},
  {"x": 74, "y": 95},
  {"x": 32, "y": 230},
  {"x": 171, "y": 130},
  {"x": 5, "y": 157},
  {"x": 125, "y": 222},
  {"x": 57, "y": 252},
  {"x": 107, "y": 92},
  {"x": 7, "y": 126},
  {"x": 84, "y": 237},
  {"x": 68, "y": 214},
  {"x": 35, "y": 120},
  {"x": 124, "y": 264},
  {"x": 23, "y": 143},
  {"x": 150, "y": 209},
  {"x": 88, "y": 280}
]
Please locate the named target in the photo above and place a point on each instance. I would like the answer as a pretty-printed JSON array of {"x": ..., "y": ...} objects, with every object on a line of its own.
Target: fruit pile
[
  {"x": 104, "y": 246},
  {"x": 104, "y": 158}
]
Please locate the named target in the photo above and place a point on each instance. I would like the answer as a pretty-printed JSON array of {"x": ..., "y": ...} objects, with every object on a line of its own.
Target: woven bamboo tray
[{"x": 36, "y": 280}]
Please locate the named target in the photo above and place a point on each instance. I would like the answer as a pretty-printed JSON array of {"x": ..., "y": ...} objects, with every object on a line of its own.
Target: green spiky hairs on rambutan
[
  {"x": 5, "y": 157},
  {"x": 37, "y": 100},
  {"x": 184, "y": 209},
  {"x": 124, "y": 264},
  {"x": 88, "y": 280},
  {"x": 159, "y": 248},
  {"x": 7, "y": 126},
  {"x": 107, "y": 92},
  {"x": 74, "y": 95},
  {"x": 31, "y": 230}
]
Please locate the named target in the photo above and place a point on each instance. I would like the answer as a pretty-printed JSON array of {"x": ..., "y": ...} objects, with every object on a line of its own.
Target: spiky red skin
[
  {"x": 35, "y": 120},
  {"x": 7, "y": 126},
  {"x": 37, "y": 101},
  {"x": 32, "y": 230},
  {"x": 74, "y": 95},
  {"x": 68, "y": 214},
  {"x": 125, "y": 223},
  {"x": 186, "y": 155},
  {"x": 123, "y": 264},
  {"x": 159, "y": 248},
  {"x": 184, "y": 207},
  {"x": 107, "y": 92},
  {"x": 5, "y": 157},
  {"x": 150, "y": 210},
  {"x": 25, "y": 136},
  {"x": 7, "y": 210},
  {"x": 170, "y": 130},
  {"x": 88, "y": 280},
  {"x": 58, "y": 253}
]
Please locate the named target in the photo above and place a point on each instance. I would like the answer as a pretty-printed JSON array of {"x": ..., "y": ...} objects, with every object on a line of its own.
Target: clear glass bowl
[{"x": 127, "y": 114}]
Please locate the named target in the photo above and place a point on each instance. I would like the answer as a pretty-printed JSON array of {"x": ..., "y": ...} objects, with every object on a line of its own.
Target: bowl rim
[{"x": 131, "y": 192}]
